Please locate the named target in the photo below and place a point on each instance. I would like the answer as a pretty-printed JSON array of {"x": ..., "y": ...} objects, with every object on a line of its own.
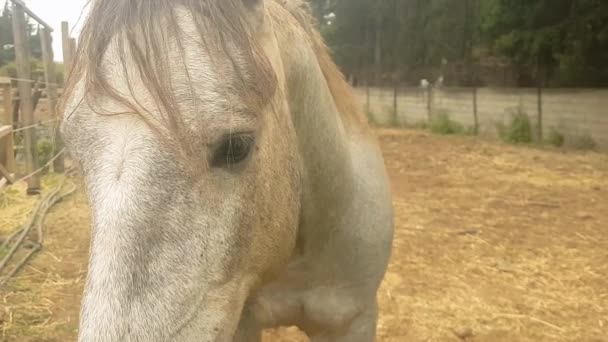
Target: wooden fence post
[
  {"x": 22, "y": 57},
  {"x": 67, "y": 49},
  {"x": 540, "y": 113},
  {"x": 368, "y": 109},
  {"x": 395, "y": 104},
  {"x": 429, "y": 103},
  {"x": 7, "y": 119},
  {"x": 475, "y": 113},
  {"x": 50, "y": 76}
]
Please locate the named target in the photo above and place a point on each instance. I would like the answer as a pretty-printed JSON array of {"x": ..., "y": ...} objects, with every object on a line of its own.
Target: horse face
[{"x": 183, "y": 229}]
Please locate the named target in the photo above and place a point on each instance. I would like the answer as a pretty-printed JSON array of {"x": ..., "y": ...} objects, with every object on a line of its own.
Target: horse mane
[
  {"x": 341, "y": 91},
  {"x": 135, "y": 25}
]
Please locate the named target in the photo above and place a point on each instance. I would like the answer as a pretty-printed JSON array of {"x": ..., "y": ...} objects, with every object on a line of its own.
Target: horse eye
[{"x": 233, "y": 150}]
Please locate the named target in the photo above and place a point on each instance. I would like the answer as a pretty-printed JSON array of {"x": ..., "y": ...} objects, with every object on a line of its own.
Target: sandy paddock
[{"x": 493, "y": 243}]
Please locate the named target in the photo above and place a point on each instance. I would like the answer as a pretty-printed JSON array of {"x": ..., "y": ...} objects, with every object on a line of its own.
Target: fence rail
[{"x": 31, "y": 14}]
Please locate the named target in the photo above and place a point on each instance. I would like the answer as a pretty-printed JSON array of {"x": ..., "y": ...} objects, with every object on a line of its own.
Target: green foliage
[
  {"x": 519, "y": 129},
  {"x": 6, "y": 36},
  {"x": 562, "y": 42},
  {"x": 7, "y": 52},
  {"x": 558, "y": 40},
  {"x": 442, "y": 124},
  {"x": 45, "y": 151},
  {"x": 556, "y": 138},
  {"x": 10, "y": 69},
  {"x": 583, "y": 142},
  {"x": 404, "y": 34}
]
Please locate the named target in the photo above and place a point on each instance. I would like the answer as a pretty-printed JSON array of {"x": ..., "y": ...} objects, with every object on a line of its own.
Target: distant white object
[
  {"x": 8, "y": 46},
  {"x": 424, "y": 83},
  {"x": 329, "y": 18},
  {"x": 439, "y": 82}
]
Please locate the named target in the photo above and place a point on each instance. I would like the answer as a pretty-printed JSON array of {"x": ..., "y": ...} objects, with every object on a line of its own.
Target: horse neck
[
  {"x": 324, "y": 136},
  {"x": 321, "y": 129}
]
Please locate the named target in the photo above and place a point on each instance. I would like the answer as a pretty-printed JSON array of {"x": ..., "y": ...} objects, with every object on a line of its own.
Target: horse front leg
[
  {"x": 249, "y": 329},
  {"x": 362, "y": 328}
]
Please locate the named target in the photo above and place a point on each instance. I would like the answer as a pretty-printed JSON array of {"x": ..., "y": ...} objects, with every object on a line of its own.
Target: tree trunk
[
  {"x": 378, "y": 46},
  {"x": 469, "y": 15}
]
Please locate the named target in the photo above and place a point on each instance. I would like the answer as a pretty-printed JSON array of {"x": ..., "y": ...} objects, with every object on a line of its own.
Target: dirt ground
[{"x": 493, "y": 243}]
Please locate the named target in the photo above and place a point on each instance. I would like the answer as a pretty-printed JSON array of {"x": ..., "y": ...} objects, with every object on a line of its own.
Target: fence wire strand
[
  {"x": 41, "y": 123},
  {"x": 33, "y": 173},
  {"x": 30, "y": 81}
]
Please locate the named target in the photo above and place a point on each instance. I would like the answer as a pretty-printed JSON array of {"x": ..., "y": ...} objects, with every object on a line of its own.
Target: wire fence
[
  {"x": 39, "y": 124},
  {"x": 42, "y": 168},
  {"x": 574, "y": 117},
  {"x": 47, "y": 149}
]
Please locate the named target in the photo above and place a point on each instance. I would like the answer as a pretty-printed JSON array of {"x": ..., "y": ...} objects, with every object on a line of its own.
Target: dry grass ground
[{"x": 493, "y": 243}]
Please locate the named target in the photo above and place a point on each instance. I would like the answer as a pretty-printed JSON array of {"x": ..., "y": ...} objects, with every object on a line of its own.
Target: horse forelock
[
  {"x": 133, "y": 26},
  {"x": 138, "y": 34}
]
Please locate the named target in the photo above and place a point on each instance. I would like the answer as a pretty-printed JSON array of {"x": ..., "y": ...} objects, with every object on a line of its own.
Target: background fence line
[{"x": 574, "y": 113}]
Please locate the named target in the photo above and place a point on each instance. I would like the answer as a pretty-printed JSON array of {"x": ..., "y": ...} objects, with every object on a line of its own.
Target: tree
[
  {"x": 558, "y": 42},
  {"x": 391, "y": 38},
  {"x": 6, "y": 36},
  {"x": 349, "y": 34},
  {"x": 7, "y": 52},
  {"x": 562, "y": 42}
]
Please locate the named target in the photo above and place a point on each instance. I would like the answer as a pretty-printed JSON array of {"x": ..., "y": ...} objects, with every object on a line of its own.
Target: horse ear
[{"x": 256, "y": 11}]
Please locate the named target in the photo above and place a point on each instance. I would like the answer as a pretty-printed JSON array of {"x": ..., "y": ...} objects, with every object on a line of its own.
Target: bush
[
  {"x": 10, "y": 69},
  {"x": 555, "y": 138},
  {"x": 518, "y": 131},
  {"x": 442, "y": 124},
  {"x": 45, "y": 151}
]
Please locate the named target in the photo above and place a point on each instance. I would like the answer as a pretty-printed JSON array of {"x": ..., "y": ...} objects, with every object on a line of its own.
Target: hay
[
  {"x": 17, "y": 240},
  {"x": 22, "y": 249},
  {"x": 16, "y": 205}
]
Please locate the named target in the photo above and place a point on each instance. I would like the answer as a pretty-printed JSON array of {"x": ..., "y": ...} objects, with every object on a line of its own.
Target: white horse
[{"x": 234, "y": 185}]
